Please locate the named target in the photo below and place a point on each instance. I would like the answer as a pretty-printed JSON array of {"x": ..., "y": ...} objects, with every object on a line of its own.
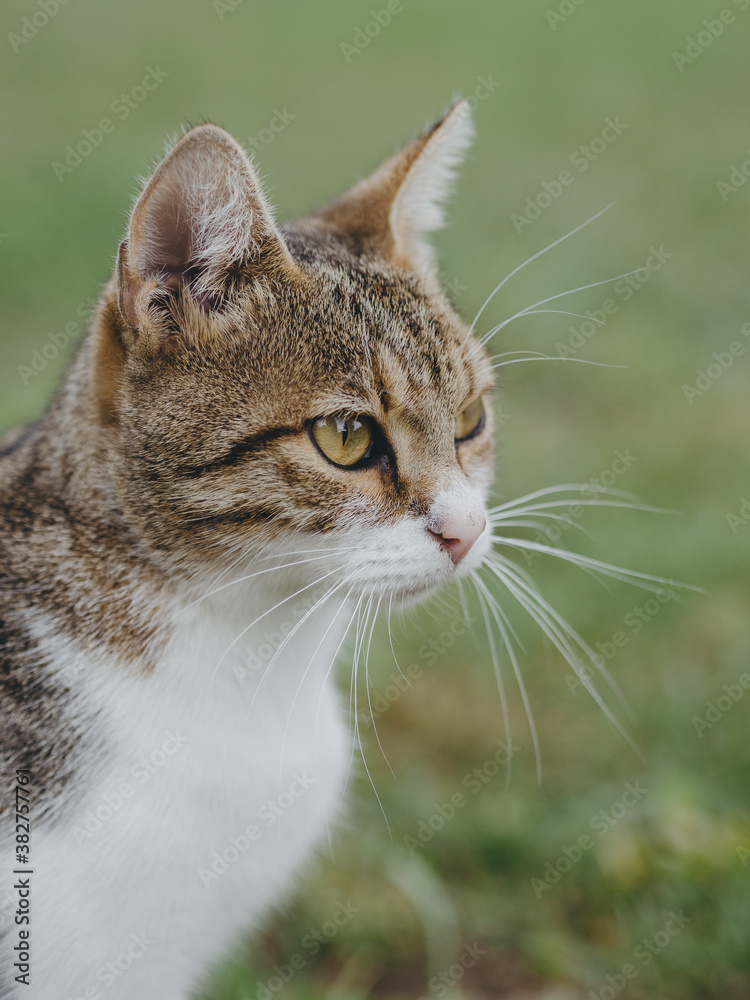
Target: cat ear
[
  {"x": 391, "y": 211},
  {"x": 200, "y": 220}
]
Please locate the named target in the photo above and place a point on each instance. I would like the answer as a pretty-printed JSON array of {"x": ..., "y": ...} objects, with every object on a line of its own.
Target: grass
[{"x": 681, "y": 847}]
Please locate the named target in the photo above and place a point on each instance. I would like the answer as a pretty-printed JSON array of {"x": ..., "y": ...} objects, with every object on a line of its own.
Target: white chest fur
[{"x": 220, "y": 775}]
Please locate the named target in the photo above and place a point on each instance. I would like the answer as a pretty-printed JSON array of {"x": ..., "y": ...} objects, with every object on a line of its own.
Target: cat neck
[{"x": 248, "y": 634}]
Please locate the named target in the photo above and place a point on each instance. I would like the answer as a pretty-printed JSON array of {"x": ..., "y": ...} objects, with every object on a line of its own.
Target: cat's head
[{"x": 281, "y": 389}]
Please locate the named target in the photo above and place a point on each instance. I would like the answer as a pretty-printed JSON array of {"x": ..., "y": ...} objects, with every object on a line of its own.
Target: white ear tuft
[
  {"x": 389, "y": 212},
  {"x": 418, "y": 205}
]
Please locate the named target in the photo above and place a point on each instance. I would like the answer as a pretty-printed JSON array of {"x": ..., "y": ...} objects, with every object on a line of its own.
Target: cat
[{"x": 267, "y": 432}]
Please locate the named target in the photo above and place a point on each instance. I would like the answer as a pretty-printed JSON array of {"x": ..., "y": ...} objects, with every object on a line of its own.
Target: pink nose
[{"x": 457, "y": 535}]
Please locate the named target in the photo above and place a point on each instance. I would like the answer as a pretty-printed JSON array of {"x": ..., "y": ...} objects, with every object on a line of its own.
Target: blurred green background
[{"x": 545, "y": 77}]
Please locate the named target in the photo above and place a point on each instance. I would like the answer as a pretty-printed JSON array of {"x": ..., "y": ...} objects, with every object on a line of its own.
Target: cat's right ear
[
  {"x": 391, "y": 212},
  {"x": 200, "y": 224}
]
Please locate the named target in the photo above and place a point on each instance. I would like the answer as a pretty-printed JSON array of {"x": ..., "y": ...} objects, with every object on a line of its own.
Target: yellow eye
[
  {"x": 344, "y": 440},
  {"x": 470, "y": 420}
]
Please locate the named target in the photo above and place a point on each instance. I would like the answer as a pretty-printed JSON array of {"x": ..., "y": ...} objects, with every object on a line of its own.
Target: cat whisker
[
  {"x": 538, "y": 526},
  {"x": 561, "y": 634},
  {"x": 505, "y": 631},
  {"x": 565, "y": 312},
  {"x": 502, "y": 567},
  {"x": 331, "y": 665},
  {"x": 516, "y": 517},
  {"x": 302, "y": 552},
  {"x": 247, "y": 550},
  {"x": 495, "y": 663},
  {"x": 308, "y": 667},
  {"x": 390, "y": 640},
  {"x": 529, "y": 260},
  {"x": 579, "y": 488},
  {"x": 526, "y": 354},
  {"x": 244, "y": 550},
  {"x": 252, "y": 576},
  {"x": 561, "y": 312},
  {"x": 445, "y": 608},
  {"x": 569, "y": 631},
  {"x": 333, "y": 659},
  {"x": 353, "y": 717},
  {"x": 268, "y": 612},
  {"x": 310, "y": 611},
  {"x": 499, "y": 516},
  {"x": 463, "y": 601},
  {"x": 368, "y": 685},
  {"x": 357, "y": 733},
  {"x": 646, "y": 581},
  {"x": 390, "y": 632},
  {"x": 579, "y": 361},
  {"x": 352, "y": 690},
  {"x": 507, "y": 354},
  {"x": 551, "y": 298},
  {"x": 365, "y": 602}
]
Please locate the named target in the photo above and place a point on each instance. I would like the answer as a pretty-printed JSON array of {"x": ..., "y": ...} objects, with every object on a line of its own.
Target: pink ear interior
[{"x": 201, "y": 215}]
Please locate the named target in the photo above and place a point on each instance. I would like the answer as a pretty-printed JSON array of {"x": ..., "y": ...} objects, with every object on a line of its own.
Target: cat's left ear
[
  {"x": 201, "y": 221},
  {"x": 391, "y": 211}
]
